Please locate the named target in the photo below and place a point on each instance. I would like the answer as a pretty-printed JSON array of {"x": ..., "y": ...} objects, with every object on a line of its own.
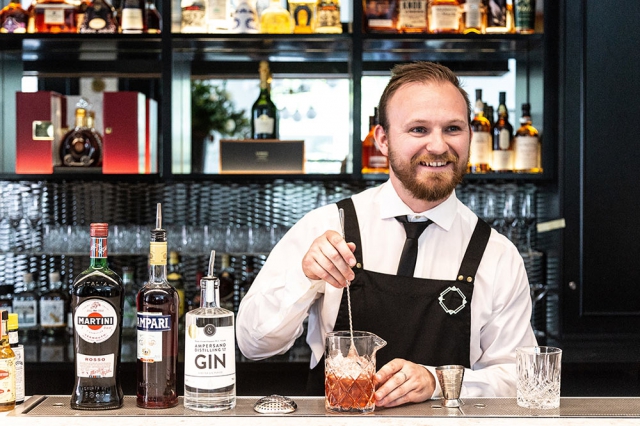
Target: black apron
[{"x": 424, "y": 321}]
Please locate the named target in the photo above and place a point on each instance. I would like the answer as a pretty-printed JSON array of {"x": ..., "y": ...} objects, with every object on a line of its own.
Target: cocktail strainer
[{"x": 275, "y": 404}]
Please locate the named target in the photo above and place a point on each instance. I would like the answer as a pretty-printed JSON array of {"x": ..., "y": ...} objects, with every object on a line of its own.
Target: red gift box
[{"x": 39, "y": 129}]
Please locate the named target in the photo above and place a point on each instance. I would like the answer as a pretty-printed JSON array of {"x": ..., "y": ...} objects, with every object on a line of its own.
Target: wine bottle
[
  {"x": 97, "y": 302},
  {"x": 157, "y": 339},
  {"x": 264, "y": 114},
  {"x": 132, "y": 17}
]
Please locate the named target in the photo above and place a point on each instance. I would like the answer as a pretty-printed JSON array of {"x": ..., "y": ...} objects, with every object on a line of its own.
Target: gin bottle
[
  {"x": 209, "y": 359},
  {"x": 157, "y": 326}
]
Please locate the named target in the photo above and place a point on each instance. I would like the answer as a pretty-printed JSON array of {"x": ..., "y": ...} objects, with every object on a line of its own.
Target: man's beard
[{"x": 431, "y": 186}]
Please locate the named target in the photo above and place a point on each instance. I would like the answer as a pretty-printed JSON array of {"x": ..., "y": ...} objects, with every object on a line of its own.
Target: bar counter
[{"x": 41, "y": 410}]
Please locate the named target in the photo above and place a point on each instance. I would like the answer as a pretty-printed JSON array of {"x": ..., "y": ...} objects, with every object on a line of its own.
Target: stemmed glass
[
  {"x": 489, "y": 210},
  {"x": 33, "y": 213},
  {"x": 508, "y": 219},
  {"x": 528, "y": 215},
  {"x": 15, "y": 214}
]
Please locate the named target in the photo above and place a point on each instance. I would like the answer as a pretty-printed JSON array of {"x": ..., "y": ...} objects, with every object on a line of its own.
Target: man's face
[{"x": 428, "y": 140}]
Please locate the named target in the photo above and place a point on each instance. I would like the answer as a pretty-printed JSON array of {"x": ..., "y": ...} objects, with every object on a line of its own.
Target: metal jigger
[{"x": 450, "y": 378}]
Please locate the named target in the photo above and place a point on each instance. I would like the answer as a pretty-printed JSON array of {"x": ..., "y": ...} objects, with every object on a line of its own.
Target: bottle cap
[
  {"x": 100, "y": 230},
  {"x": 12, "y": 324}
]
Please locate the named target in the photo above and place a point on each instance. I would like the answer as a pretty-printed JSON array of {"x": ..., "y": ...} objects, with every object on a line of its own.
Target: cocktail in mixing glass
[{"x": 348, "y": 383}]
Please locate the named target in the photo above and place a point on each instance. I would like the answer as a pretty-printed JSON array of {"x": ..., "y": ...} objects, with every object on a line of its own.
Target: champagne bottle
[{"x": 264, "y": 114}]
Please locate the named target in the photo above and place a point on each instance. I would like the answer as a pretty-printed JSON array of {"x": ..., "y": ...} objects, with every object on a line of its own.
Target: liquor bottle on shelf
[
  {"x": 176, "y": 279},
  {"x": 328, "y": 17},
  {"x": 275, "y": 19},
  {"x": 489, "y": 113},
  {"x": 245, "y": 18},
  {"x": 13, "y": 18},
  {"x": 129, "y": 313},
  {"x": 209, "y": 377},
  {"x": 18, "y": 351},
  {"x": 264, "y": 114},
  {"x": 303, "y": 14},
  {"x": 481, "y": 147},
  {"x": 526, "y": 145},
  {"x": 227, "y": 280},
  {"x": 80, "y": 147},
  {"x": 99, "y": 18},
  {"x": 54, "y": 16},
  {"x": 499, "y": 17},
  {"x": 54, "y": 307},
  {"x": 152, "y": 18},
  {"x": 502, "y": 156},
  {"x": 474, "y": 17},
  {"x": 25, "y": 305},
  {"x": 525, "y": 16},
  {"x": 157, "y": 327},
  {"x": 373, "y": 161},
  {"x": 412, "y": 16},
  {"x": 132, "y": 16},
  {"x": 97, "y": 297},
  {"x": 194, "y": 19},
  {"x": 218, "y": 15},
  {"x": 381, "y": 16},
  {"x": 7, "y": 366},
  {"x": 444, "y": 17}
]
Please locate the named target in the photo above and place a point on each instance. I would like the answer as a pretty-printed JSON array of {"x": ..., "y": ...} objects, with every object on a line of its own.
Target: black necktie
[{"x": 410, "y": 250}]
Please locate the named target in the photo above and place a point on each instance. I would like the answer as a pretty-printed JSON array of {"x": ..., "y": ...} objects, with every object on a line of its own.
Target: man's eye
[
  {"x": 418, "y": 130},
  {"x": 454, "y": 128}
]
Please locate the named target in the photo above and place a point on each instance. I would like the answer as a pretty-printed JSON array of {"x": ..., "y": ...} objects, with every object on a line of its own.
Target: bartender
[{"x": 463, "y": 299}]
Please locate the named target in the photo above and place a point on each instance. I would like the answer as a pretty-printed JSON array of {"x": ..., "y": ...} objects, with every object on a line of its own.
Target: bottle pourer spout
[
  {"x": 212, "y": 260},
  {"x": 159, "y": 216}
]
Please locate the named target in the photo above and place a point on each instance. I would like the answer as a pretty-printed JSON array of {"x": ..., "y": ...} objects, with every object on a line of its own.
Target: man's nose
[{"x": 436, "y": 144}]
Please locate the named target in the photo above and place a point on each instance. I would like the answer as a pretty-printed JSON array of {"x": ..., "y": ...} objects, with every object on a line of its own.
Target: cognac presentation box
[
  {"x": 129, "y": 141},
  {"x": 39, "y": 129},
  {"x": 265, "y": 156}
]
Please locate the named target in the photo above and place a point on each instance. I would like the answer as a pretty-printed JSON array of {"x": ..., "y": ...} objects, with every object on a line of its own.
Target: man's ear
[{"x": 381, "y": 140}]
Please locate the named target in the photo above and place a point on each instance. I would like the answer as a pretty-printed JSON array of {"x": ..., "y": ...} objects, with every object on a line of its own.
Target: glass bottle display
[
  {"x": 480, "y": 152},
  {"x": 303, "y": 14},
  {"x": 13, "y": 18},
  {"x": 499, "y": 17},
  {"x": 54, "y": 308},
  {"x": 194, "y": 19},
  {"x": 80, "y": 147},
  {"x": 412, "y": 16},
  {"x": 218, "y": 15},
  {"x": 526, "y": 145},
  {"x": 264, "y": 114},
  {"x": 54, "y": 16},
  {"x": 7, "y": 367},
  {"x": 209, "y": 366},
  {"x": 474, "y": 17},
  {"x": 18, "y": 351},
  {"x": 373, "y": 161},
  {"x": 245, "y": 18},
  {"x": 99, "y": 18},
  {"x": 157, "y": 340},
  {"x": 152, "y": 17},
  {"x": 380, "y": 16},
  {"x": 25, "y": 305},
  {"x": 444, "y": 17},
  {"x": 328, "y": 20},
  {"x": 132, "y": 16},
  {"x": 524, "y": 16},
  {"x": 97, "y": 297},
  {"x": 502, "y": 156},
  {"x": 275, "y": 19}
]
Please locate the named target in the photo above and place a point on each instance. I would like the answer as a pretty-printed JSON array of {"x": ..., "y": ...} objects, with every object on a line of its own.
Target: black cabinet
[{"x": 600, "y": 174}]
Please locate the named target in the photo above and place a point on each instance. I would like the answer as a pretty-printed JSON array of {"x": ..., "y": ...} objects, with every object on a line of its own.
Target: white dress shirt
[{"x": 272, "y": 312}]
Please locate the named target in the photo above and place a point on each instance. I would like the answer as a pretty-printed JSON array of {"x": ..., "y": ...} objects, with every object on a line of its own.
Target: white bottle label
[
  {"x": 52, "y": 313},
  {"x": 265, "y": 124},
  {"x": 444, "y": 18},
  {"x": 19, "y": 362},
  {"x": 480, "y": 148},
  {"x": 132, "y": 21},
  {"x": 95, "y": 320},
  {"x": 413, "y": 14},
  {"x": 95, "y": 366},
  {"x": 27, "y": 311},
  {"x": 473, "y": 14},
  {"x": 527, "y": 152},
  {"x": 151, "y": 327},
  {"x": 209, "y": 357},
  {"x": 7, "y": 380},
  {"x": 502, "y": 160}
]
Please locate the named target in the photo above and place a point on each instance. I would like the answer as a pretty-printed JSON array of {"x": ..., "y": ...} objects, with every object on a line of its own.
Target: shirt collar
[{"x": 391, "y": 206}]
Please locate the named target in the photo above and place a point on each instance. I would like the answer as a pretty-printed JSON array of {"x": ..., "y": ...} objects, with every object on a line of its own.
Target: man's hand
[
  {"x": 401, "y": 381},
  {"x": 330, "y": 258}
]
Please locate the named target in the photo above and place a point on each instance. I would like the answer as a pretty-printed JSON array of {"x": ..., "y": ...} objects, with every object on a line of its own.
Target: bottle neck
[
  {"x": 158, "y": 262},
  {"x": 98, "y": 252},
  {"x": 209, "y": 293}
]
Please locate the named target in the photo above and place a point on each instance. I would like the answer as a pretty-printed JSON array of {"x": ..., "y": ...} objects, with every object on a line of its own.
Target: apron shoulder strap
[
  {"x": 474, "y": 252},
  {"x": 351, "y": 226}
]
